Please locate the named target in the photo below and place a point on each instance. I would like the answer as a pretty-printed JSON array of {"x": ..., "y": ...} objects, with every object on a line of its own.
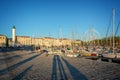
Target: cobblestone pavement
[
  {"x": 12, "y": 66},
  {"x": 39, "y": 66},
  {"x": 96, "y": 70}
]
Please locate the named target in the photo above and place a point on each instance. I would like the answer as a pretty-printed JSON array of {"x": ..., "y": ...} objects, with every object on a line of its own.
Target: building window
[{"x": 0, "y": 37}]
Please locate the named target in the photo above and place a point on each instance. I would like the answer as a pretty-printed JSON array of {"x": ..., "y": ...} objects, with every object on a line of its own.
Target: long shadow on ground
[
  {"x": 6, "y": 70},
  {"x": 61, "y": 69},
  {"x": 54, "y": 69},
  {"x": 22, "y": 74},
  {"x": 9, "y": 59},
  {"x": 63, "y": 76},
  {"x": 76, "y": 74}
]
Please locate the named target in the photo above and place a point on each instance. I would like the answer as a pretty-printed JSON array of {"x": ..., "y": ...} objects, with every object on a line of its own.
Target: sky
[{"x": 57, "y": 18}]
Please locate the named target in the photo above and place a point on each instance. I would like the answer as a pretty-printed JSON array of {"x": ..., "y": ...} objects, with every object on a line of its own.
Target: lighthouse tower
[{"x": 13, "y": 36}]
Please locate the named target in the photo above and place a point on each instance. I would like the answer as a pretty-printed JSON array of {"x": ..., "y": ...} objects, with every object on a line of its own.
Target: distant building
[
  {"x": 76, "y": 43},
  {"x": 36, "y": 41},
  {"x": 48, "y": 41},
  {"x": 3, "y": 40},
  {"x": 23, "y": 40},
  {"x": 65, "y": 42},
  {"x": 45, "y": 41},
  {"x": 27, "y": 41},
  {"x": 10, "y": 43}
]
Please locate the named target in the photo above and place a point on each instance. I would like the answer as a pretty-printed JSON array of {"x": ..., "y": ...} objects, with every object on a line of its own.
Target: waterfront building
[
  {"x": 36, "y": 41},
  {"x": 23, "y": 40},
  {"x": 3, "y": 40}
]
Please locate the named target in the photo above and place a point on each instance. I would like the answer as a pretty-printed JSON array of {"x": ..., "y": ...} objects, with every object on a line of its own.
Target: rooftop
[
  {"x": 23, "y": 36},
  {"x": 14, "y": 27},
  {"x": 2, "y": 35}
]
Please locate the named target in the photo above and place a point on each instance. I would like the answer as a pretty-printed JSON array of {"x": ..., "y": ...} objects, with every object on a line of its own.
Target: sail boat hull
[{"x": 111, "y": 55}]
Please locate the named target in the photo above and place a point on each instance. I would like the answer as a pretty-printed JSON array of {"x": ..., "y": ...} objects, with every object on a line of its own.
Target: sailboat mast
[{"x": 113, "y": 25}]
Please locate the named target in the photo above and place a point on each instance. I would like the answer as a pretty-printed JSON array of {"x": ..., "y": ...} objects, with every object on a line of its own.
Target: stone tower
[{"x": 13, "y": 35}]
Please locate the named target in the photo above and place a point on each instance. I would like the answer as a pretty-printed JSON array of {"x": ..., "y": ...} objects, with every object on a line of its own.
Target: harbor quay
[
  {"x": 28, "y": 65},
  {"x": 60, "y": 40}
]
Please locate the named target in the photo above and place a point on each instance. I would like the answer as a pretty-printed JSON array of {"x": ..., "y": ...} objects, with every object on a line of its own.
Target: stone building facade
[
  {"x": 3, "y": 40},
  {"x": 45, "y": 41},
  {"x": 23, "y": 40}
]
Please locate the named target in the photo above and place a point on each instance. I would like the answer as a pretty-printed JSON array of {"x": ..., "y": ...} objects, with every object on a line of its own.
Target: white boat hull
[{"x": 111, "y": 55}]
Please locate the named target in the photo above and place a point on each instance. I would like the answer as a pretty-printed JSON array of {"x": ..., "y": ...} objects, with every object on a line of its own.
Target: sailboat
[{"x": 112, "y": 53}]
